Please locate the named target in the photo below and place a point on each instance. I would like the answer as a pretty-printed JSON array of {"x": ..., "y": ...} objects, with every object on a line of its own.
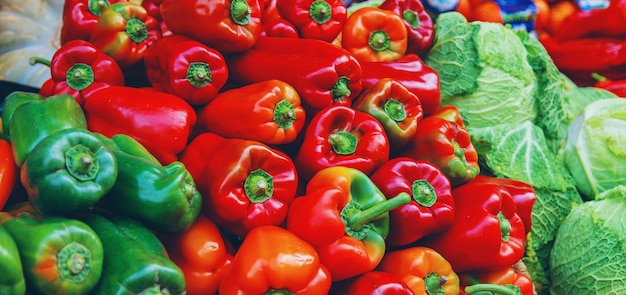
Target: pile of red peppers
[{"x": 315, "y": 137}]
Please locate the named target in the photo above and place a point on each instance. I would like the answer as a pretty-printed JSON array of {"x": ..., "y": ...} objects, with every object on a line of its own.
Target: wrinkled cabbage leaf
[
  {"x": 483, "y": 71},
  {"x": 589, "y": 251},
  {"x": 595, "y": 152}
]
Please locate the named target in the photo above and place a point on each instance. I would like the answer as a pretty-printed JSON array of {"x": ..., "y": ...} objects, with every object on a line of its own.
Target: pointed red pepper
[
  {"x": 78, "y": 68},
  {"x": 431, "y": 209},
  {"x": 273, "y": 24},
  {"x": 315, "y": 19},
  {"x": 186, "y": 68},
  {"x": 342, "y": 136}
]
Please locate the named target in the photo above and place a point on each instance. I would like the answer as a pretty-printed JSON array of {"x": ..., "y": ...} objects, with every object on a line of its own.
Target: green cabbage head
[
  {"x": 589, "y": 251},
  {"x": 595, "y": 151}
]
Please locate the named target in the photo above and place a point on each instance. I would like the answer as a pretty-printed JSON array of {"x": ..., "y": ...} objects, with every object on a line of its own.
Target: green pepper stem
[
  {"x": 434, "y": 283},
  {"x": 259, "y": 186},
  {"x": 343, "y": 142},
  {"x": 320, "y": 11},
  {"x": 39, "y": 60},
  {"x": 359, "y": 219},
  {"x": 97, "y": 6},
  {"x": 341, "y": 89},
  {"x": 240, "y": 12},
  {"x": 284, "y": 114},
  {"x": 379, "y": 41},
  {"x": 505, "y": 227},
  {"x": 598, "y": 77},
  {"x": 198, "y": 74},
  {"x": 395, "y": 110},
  {"x": 423, "y": 192},
  {"x": 411, "y": 17},
  {"x": 278, "y": 292},
  {"x": 478, "y": 289}
]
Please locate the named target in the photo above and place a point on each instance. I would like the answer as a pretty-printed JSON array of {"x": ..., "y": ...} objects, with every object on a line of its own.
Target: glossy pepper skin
[
  {"x": 80, "y": 17},
  {"x": 346, "y": 218},
  {"x": 431, "y": 209},
  {"x": 447, "y": 145},
  {"x": 79, "y": 68},
  {"x": 202, "y": 254},
  {"x": 485, "y": 221},
  {"x": 418, "y": 23},
  {"x": 13, "y": 100},
  {"x": 163, "y": 197},
  {"x": 12, "y": 281},
  {"x": 333, "y": 77},
  {"x": 315, "y": 19},
  {"x": 124, "y": 31},
  {"x": 246, "y": 184},
  {"x": 342, "y": 136},
  {"x": 395, "y": 107},
  {"x": 618, "y": 87},
  {"x": 499, "y": 281},
  {"x": 412, "y": 73},
  {"x": 374, "y": 34},
  {"x": 59, "y": 255},
  {"x": 186, "y": 68},
  {"x": 8, "y": 172},
  {"x": 160, "y": 121},
  {"x": 523, "y": 194},
  {"x": 425, "y": 270},
  {"x": 140, "y": 263},
  {"x": 228, "y": 26},
  {"x": 372, "y": 283},
  {"x": 268, "y": 111},
  {"x": 273, "y": 24},
  {"x": 49, "y": 114},
  {"x": 273, "y": 260},
  {"x": 68, "y": 172}
]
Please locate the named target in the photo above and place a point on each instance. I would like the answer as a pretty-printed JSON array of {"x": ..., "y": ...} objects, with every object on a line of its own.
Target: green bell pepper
[
  {"x": 12, "y": 279},
  {"x": 59, "y": 255},
  {"x": 34, "y": 119},
  {"x": 10, "y": 103},
  {"x": 68, "y": 172},
  {"x": 136, "y": 261},
  {"x": 164, "y": 198}
]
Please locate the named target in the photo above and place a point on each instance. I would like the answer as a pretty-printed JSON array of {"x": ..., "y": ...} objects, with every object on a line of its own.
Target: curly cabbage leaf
[
  {"x": 559, "y": 100},
  {"x": 595, "y": 151},
  {"x": 483, "y": 71},
  {"x": 589, "y": 251}
]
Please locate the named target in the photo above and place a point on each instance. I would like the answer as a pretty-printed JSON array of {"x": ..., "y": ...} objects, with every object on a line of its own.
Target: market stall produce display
[{"x": 312, "y": 147}]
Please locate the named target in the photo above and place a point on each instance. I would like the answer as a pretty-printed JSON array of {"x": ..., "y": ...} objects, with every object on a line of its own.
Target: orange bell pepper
[
  {"x": 8, "y": 172},
  {"x": 273, "y": 260},
  {"x": 423, "y": 269},
  {"x": 202, "y": 254},
  {"x": 375, "y": 34}
]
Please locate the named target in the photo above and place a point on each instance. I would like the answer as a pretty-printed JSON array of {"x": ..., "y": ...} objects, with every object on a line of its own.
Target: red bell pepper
[
  {"x": 523, "y": 194},
  {"x": 372, "y": 283},
  {"x": 315, "y": 19},
  {"x": 79, "y": 68},
  {"x": 499, "y": 281},
  {"x": 197, "y": 154},
  {"x": 202, "y": 254},
  {"x": 425, "y": 270},
  {"x": 450, "y": 113},
  {"x": 342, "y": 136},
  {"x": 268, "y": 111},
  {"x": 447, "y": 145},
  {"x": 272, "y": 260},
  {"x": 124, "y": 31},
  {"x": 226, "y": 25},
  {"x": 431, "y": 209},
  {"x": 246, "y": 184},
  {"x": 153, "y": 7},
  {"x": 8, "y": 172},
  {"x": 605, "y": 22},
  {"x": 80, "y": 17},
  {"x": 395, "y": 107},
  {"x": 346, "y": 218},
  {"x": 617, "y": 87},
  {"x": 273, "y": 24},
  {"x": 332, "y": 77},
  {"x": 486, "y": 224},
  {"x": 160, "y": 121},
  {"x": 372, "y": 34},
  {"x": 186, "y": 68},
  {"x": 412, "y": 73},
  {"x": 418, "y": 22}
]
